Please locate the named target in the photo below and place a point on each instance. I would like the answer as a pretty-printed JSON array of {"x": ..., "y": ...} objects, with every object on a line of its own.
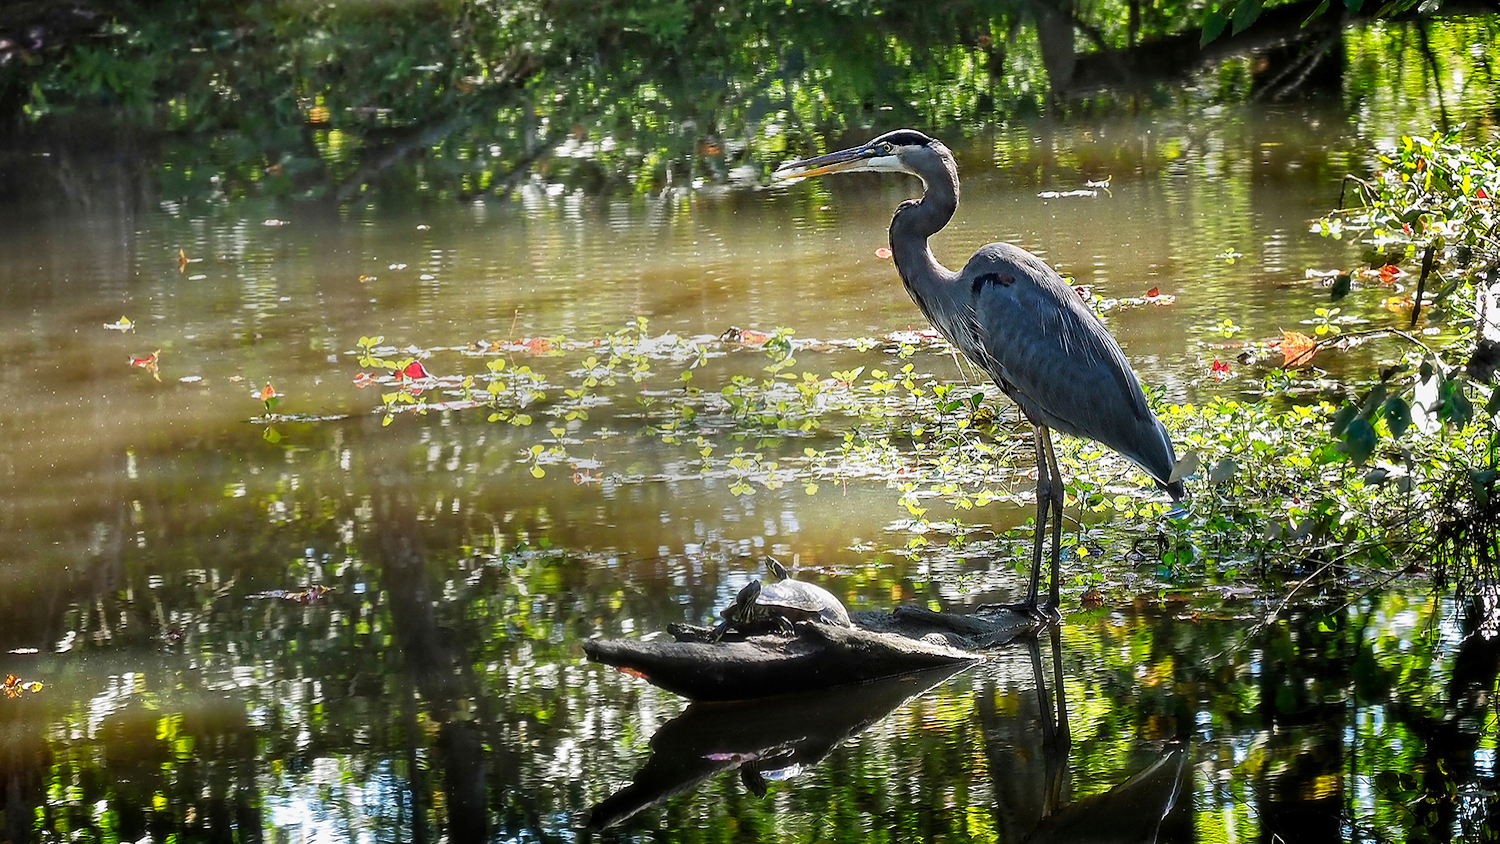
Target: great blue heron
[{"x": 1014, "y": 317}]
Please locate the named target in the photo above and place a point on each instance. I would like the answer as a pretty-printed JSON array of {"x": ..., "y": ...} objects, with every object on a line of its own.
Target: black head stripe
[{"x": 904, "y": 138}]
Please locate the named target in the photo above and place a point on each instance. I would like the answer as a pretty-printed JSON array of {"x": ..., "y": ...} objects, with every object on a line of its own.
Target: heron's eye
[{"x": 886, "y": 148}]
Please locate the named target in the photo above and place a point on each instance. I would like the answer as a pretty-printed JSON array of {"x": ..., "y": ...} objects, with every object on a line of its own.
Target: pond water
[{"x": 169, "y": 538}]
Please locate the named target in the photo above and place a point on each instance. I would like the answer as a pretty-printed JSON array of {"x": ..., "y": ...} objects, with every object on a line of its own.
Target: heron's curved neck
[{"x": 917, "y": 220}]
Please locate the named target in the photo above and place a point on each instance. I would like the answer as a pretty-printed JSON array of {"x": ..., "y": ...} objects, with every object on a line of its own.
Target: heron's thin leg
[
  {"x": 1056, "y": 488},
  {"x": 1064, "y": 733},
  {"x": 1043, "y": 502},
  {"x": 1057, "y": 737}
]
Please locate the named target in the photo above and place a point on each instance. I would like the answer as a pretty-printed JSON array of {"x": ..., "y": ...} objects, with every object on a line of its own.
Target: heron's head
[{"x": 901, "y": 151}]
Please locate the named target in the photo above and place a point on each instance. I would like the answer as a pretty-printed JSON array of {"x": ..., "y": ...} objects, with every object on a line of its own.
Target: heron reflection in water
[{"x": 1017, "y": 320}]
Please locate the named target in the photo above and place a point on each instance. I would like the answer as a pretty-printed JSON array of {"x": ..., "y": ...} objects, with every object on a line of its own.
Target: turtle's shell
[{"x": 797, "y": 600}]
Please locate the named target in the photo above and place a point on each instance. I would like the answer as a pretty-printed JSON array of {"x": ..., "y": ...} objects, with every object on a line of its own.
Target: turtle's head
[
  {"x": 738, "y": 610},
  {"x": 776, "y": 570}
]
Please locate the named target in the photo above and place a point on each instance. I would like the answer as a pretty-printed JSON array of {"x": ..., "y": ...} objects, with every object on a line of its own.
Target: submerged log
[{"x": 816, "y": 656}]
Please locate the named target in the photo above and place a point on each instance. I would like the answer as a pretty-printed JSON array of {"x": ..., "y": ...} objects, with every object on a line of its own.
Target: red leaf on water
[
  {"x": 1479, "y": 193},
  {"x": 883, "y": 253},
  {"x": 415, "y": 370},
  {"x": 1153, "y": 293},
  {"x": 1220, "y": 370},
  {"x": 148, "y": 363}
]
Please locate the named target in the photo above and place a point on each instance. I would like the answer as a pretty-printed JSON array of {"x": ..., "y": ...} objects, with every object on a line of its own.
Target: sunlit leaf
[
  {"x": 1296, "y": 349},
  {"x": 1187, "y": 466},
  {"x": 1213, "y": 25},
  {"x": 1245, "y": 13},
  {"x": 1223, "y": 470}
]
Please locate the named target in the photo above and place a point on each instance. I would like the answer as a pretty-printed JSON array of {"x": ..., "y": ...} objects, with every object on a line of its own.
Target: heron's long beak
[{"x": 856, "y": 158}]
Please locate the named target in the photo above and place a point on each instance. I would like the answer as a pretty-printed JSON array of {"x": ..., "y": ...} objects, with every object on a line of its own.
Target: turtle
[{"x": 777, "y": 605}]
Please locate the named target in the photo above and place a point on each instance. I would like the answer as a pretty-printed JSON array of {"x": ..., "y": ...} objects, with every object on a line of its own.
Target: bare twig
[{"x": 1372, "y": 332}]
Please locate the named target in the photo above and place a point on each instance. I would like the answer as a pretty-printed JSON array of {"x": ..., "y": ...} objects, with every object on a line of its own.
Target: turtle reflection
[
  {"x": 762, "y": 739},
  {"x": 773, "y": 739}
]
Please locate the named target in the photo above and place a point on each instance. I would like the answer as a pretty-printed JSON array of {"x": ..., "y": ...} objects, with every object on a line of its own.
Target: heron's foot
[{"x": 1045, "y": 615}]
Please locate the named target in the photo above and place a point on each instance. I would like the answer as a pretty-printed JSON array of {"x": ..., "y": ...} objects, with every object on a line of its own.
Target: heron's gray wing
[{"x": 1033, "y": 334}]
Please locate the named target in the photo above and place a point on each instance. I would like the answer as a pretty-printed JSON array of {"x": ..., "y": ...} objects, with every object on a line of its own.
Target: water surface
[{"x": 160, "y": 543}]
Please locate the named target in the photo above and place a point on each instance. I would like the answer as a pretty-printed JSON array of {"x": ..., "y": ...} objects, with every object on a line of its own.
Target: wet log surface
[{"x": 814, "y": 656}]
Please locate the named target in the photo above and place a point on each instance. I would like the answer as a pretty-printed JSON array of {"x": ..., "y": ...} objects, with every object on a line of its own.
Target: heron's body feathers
[
  {"x": 1020, "y": 322},
  {"x": 1032, "y": 333}
]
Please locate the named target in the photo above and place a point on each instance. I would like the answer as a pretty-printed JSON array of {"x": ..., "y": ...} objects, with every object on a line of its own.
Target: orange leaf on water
[
  {"x": 754, "y": 338},
  {"x": 363, "y": 380},
  {"x": 883, "y": 253},
  {"x": 537, "y": 345},
  {"x": 267, "y": 392},
  {"x": 1296, "y": 349}
]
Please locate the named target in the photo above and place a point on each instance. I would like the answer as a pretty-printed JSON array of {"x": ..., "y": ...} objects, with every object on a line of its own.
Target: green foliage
[
  {"x": 1282, "y": 485},
  {"x": 1433, "y": 193},
  {"x": 289, "y": 98},
  {"x": 1429, "y": 425},
  {"x": 1432, "y": 199}
]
